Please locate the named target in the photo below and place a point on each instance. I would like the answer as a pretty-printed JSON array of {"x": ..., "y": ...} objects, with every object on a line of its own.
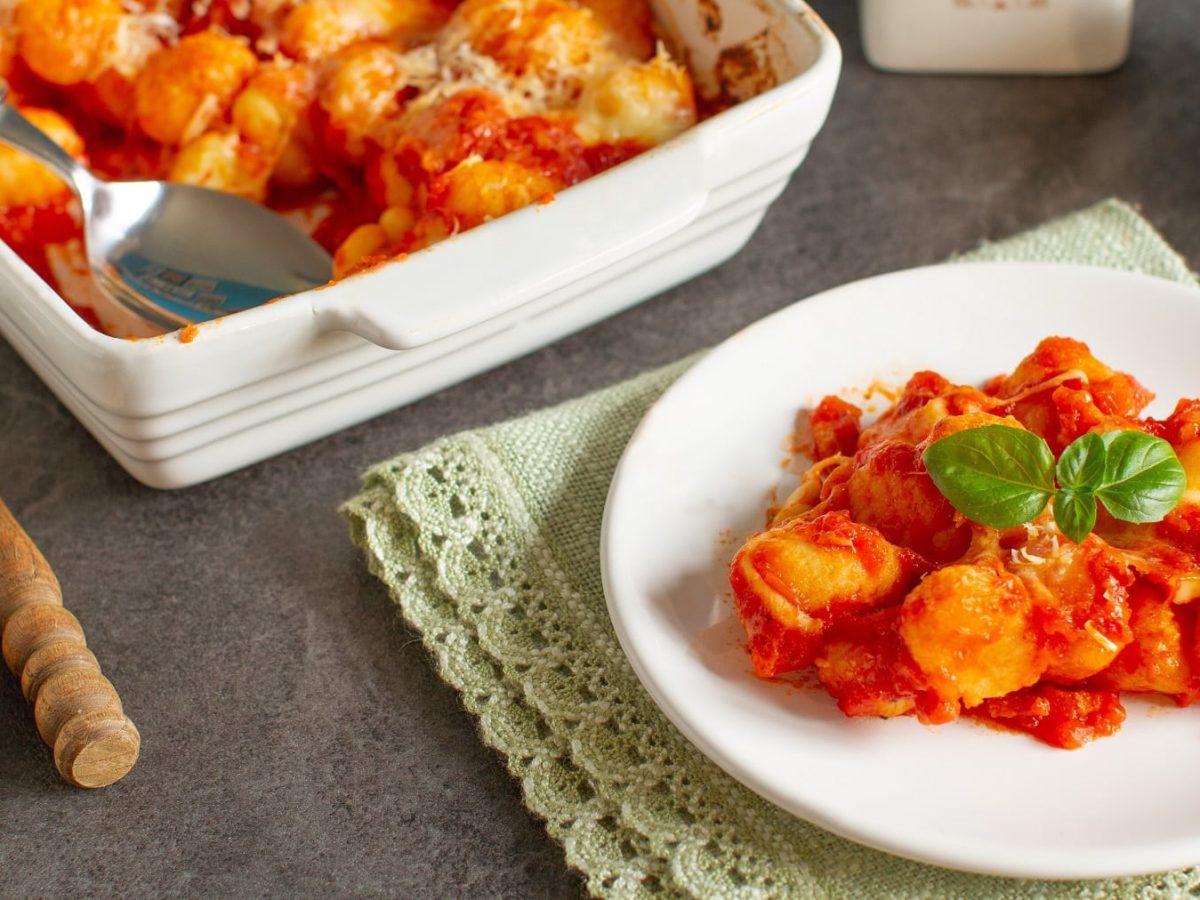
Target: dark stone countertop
[{"x": 296, "y": 737}]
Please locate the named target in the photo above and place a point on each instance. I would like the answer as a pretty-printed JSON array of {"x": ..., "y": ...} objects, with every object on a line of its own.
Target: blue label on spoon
[{"x": 185, "y": 296}]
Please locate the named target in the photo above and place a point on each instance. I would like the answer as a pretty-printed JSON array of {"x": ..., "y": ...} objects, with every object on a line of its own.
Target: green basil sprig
[{"x": 1002, "y": 477}]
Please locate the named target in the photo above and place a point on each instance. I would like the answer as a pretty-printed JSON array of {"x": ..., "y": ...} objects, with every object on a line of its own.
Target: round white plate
[{"x": 695, "y": 481}]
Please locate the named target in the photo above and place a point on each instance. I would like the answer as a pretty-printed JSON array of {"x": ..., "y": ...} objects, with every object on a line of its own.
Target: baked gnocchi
[
  {"x": 904, "y": 606},
  {"x": 384, "y": 125}
]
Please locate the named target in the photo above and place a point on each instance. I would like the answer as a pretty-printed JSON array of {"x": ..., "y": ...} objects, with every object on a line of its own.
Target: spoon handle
[
  {"x": 76, "y": 709},
  {"x": 18, "y": 132}
]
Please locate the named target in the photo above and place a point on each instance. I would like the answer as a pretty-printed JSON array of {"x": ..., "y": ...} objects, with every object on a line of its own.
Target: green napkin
[{"x": 488, "y": 541}]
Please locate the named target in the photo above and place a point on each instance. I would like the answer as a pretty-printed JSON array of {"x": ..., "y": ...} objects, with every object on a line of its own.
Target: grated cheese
[
  {"x": 136, "y": 38},
  {"x": 1099, "y": 638},
  {"x": 441, "y": 72},
  {"x": 1069, "y": 375},
  {"x": 1032, "y": 557}
]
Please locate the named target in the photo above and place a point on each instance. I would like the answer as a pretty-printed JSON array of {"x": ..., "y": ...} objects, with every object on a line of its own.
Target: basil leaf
[
  {"x": 1082, "y": 465},
  {"x": 1075, "y": 513},
  {"x": 1143, "y": 478},
  {"x": 993, "y": 475},
  {"x": 1002, "y": 477}
]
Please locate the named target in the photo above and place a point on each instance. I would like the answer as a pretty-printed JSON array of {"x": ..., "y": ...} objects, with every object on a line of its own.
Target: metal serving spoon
[{"x": 175, "y": 253}]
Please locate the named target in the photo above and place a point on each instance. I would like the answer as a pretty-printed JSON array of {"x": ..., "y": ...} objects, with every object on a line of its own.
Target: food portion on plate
[
  {"x": 382, "y": 126},
  {"x": 1019, "y": 553}
]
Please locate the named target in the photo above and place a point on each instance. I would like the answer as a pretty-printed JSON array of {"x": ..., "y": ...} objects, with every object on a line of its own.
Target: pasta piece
[
  {"x": 1160, "y": 656},
  {"x": 629, "y": 24},
  {"x": 890, "y": 489},
  {"x": 224, "y": 162},
  {"x": 110, "y": 97},
  {"x": 927, "y": 399},
  {"x": 822, "y": 488},
  {"x": 1081, "y": 594},
  {"x": 432, "y": 138},
  {"x": 429, "y": 230},
  {"x": 556, "y": 41},
  {"x": 475, "y": 125},
  {"x": 388, "y": 183},
  {"x": 953, "y": 424},
  {"x": 364, "y": 243},
  {"x": 1167, "y": 553},
  {"x": 363, "y": 94},
  {"x": 866, "y": 667},
  {"x": 791, "y": 581},
  {"x": 1034, "y": 399},
  {"x": 316, "y": 29},
  {"x": 271, "y": 115},
  {"x": 647, "y": 102},
  {"x": 186, "y": 88},
  {"x": 397, "y": 221},
  {"x": 265, "y": 112},
  {"x": 1163, "y": 554},
  {"x": 9, "y": 38},
  {"x": 1116, "y": 393},
  {"x": 26, "y": 182},
  {"x": 99, "y": 53},
  {"x": 835, "y": 428},
  {"x": 67, "y": 41},
  {"x": 477, "y": 190},
  {"x": 969, "y": 629}
]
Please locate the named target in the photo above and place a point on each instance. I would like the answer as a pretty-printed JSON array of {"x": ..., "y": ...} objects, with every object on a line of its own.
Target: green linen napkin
[{"x": 488, "y": 541}]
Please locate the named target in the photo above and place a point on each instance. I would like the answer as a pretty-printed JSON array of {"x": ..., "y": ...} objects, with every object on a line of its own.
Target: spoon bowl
[{"x": 175, "y": 254}]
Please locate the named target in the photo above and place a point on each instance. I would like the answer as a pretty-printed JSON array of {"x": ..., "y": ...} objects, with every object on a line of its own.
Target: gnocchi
[{"x": 927, "y": 613}]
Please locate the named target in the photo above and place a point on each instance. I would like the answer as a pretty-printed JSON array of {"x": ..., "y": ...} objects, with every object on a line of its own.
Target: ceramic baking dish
[{"x": 260, "y": 382}]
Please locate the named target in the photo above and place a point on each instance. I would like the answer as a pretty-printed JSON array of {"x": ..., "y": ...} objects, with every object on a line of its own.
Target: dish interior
[{"x": 345, "y": 129}]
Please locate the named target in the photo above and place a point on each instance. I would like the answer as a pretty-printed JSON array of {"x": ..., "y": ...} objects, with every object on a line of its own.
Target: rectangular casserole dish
[{"x": 260, "y": 382}]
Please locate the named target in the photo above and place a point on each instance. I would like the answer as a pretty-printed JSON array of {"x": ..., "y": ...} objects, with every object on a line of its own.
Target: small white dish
[
  {"x": 695, "y": 481},
  {"x": 1030, "y": 37}
]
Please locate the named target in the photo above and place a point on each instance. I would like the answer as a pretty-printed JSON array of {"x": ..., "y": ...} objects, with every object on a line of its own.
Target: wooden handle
[{"x": 77, "y": 710}]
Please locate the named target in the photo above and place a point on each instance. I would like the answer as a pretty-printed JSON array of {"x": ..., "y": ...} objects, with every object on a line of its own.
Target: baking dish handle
[{"x": 484, "y": 273}]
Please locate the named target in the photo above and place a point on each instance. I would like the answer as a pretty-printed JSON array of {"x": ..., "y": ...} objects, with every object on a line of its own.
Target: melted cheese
[{"x": 137, "y": 37}]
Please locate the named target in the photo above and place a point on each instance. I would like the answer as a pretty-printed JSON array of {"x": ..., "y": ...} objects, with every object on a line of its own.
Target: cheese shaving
[
  {"x": 1031, "y": 557},
  {"x": 1099, "y": 638},
  {"x": 440, "y": 73},
  {"x": 136, "y": 38},
  {"x": 1070, "y": 375}
]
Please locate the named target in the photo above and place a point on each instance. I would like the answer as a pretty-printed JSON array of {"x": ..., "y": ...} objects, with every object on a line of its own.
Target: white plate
[{"x": 694, "y": 482}]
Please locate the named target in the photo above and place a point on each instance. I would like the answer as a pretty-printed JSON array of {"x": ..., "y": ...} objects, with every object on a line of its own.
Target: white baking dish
[{"x": 263, "y": 381}]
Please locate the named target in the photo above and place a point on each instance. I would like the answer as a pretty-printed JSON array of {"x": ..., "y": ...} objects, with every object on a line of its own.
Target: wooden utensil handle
[
  {"x": 77, "y": 710},
  {"x": 25, "y": 576}
]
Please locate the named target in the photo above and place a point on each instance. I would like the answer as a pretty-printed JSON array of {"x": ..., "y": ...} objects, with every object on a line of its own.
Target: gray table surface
[{"x": 296, "y": 736}]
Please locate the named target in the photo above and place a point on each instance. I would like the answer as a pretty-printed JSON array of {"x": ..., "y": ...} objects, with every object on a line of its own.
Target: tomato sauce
[{"x": 1062, "y": 717}]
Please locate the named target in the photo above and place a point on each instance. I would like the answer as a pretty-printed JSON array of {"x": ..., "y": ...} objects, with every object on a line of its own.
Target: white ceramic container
[
  {"x": 1046, "y": 37},
  {"x": 263, "y": 381}
]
